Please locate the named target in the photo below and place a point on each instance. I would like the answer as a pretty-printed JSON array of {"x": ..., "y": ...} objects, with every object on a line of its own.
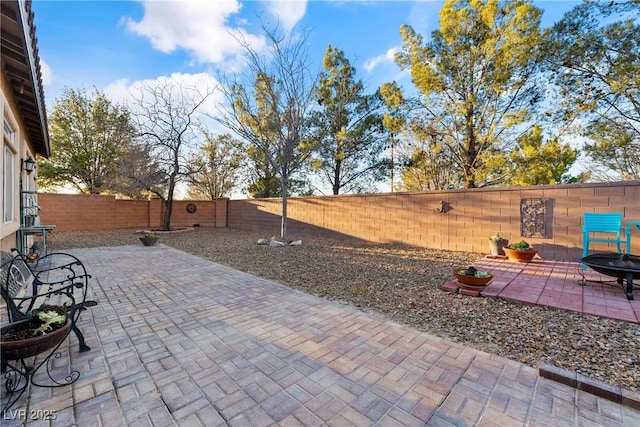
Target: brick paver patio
[
  {"x": 179, "y": 340},
  {"x": 557, "y": 284}
]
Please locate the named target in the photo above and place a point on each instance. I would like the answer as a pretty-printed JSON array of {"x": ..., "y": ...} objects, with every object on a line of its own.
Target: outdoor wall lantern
[{"x": 28, "y": 165}]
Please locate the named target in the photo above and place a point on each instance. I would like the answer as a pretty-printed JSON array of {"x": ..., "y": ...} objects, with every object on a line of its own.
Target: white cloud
[
  {"x": 387, "y": 58},
  {"x": 201, "y": 27},
  {"x": 288, "y": 12},
  {"x": 424, "y": 16},
  {"x": 47, "y": 74},
  {"x": 124, "y": 91},
  {"x": 119, "y": 91}
]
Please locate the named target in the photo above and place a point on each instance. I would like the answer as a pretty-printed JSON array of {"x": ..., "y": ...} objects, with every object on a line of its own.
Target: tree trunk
[
  {"x": 285, "y": 194},
  {"x": 336, "y": 178},
  {"x": 168, "y": 204},
  {"x": 166, "y": 219},
  {"x": 472, "y": 151},
  {"x": 470, "y": 182}
]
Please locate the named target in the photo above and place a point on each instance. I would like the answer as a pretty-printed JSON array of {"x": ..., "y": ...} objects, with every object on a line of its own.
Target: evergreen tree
[
  {"x": 477, "y": 79},
  {"x": 349, "y": 156},
  {"x": 536, "y": 162},
  {"x": 593, "y": 54}
]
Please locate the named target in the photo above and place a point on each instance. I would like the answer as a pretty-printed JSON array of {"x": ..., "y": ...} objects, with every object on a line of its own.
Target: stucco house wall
[{"x": 22, "y": 106}]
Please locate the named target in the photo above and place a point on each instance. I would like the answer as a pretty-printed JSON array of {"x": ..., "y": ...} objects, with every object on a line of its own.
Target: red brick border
[{"x": 589, "y": 385}]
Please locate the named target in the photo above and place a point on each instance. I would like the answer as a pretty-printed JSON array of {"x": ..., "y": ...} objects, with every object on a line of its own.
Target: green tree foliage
[
  {"x": 477, "y": 79},
  {"x": 595, "y": 60},
  {"x": 349, "y": 156},
  {"x": 89, "y": 137},
  {"x": 266, "y": 187},
  {"x": 263, "y": 178},
  {"x": 536, "y": 162},
  {"x": 614, "y": 148},
  {"x": 138, "y": 171},
  {"x": 215, "y": 167},
  {"x": 270, "y": 104},
  {"x": 428, "y": 166},
  {"x": 395, "y": 121}
]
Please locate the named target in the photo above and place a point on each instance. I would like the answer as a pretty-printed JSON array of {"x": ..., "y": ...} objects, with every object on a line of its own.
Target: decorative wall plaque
[
  {"x": 191, "y": 208},
  {"x": 532, "y": 217}
]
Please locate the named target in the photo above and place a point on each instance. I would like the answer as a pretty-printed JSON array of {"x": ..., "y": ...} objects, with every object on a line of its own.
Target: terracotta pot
[
  {"x": 22, "y": 349},
  {"x": 471, "y": 282},
  {"x": 516, "y": 255},
  {"x": 496, "y": 247}
]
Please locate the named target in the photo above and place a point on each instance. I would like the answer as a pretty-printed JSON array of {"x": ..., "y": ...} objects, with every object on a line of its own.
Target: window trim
[
  {"x": 8, "y": 131},
  {"x": 9, "y": 184}
]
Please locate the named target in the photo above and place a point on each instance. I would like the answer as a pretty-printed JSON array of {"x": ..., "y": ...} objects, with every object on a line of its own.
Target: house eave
[{"x": 21, "y": 68}]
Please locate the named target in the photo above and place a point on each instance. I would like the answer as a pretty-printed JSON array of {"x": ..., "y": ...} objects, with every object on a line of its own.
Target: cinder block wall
[
  {"x": 131, "y": 213},
  {"x": 470, "y": 216},
  {"x": 80, "y": 212},
  {"x": 207, "y": 213}
]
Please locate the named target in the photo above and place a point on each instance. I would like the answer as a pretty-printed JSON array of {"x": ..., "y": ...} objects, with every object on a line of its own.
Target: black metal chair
[{"x": 28, "y": 283}]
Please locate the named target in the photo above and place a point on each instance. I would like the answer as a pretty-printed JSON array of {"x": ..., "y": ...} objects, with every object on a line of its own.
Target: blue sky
[{"x": 114, "y": 44}]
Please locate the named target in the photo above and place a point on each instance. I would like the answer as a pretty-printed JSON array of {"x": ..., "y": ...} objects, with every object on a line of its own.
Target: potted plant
[
  {"x": 472, "y": 278},
  {"x": 520, "y": 252},
  {"x": 497, "y": 243},
  {"x": 47, "y": 327},
  {"x": 149, "y": 239}
]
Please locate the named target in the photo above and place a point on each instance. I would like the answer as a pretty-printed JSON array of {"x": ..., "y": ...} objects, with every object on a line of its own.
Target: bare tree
[
  {"x": 167, "y": 117},
  {"x": 270, "y": 103}
]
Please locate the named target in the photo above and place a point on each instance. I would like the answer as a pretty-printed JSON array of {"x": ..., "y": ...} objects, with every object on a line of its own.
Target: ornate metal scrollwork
[{"x": 532, "y": 217}]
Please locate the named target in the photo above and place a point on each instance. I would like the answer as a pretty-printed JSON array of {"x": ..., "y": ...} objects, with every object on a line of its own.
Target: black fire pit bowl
[{"x": 616, "y": 265}]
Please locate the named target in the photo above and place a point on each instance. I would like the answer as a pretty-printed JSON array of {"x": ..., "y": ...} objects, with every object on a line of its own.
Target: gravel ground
[{"x": 403, "y": 283}]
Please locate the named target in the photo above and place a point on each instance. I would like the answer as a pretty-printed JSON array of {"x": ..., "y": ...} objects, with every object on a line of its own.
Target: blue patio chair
[{"x": 596, "y": 225}]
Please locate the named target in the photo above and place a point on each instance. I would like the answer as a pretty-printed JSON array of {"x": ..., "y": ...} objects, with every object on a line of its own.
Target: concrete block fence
[
  {"x": 459, "y": 220},
  {"x": 80, "y": 212}
]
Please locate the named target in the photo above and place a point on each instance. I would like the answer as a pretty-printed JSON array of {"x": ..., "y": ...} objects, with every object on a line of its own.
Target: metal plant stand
[
  {"x": 56, "y": 279},
  {"x": 42, "y": 351}
]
